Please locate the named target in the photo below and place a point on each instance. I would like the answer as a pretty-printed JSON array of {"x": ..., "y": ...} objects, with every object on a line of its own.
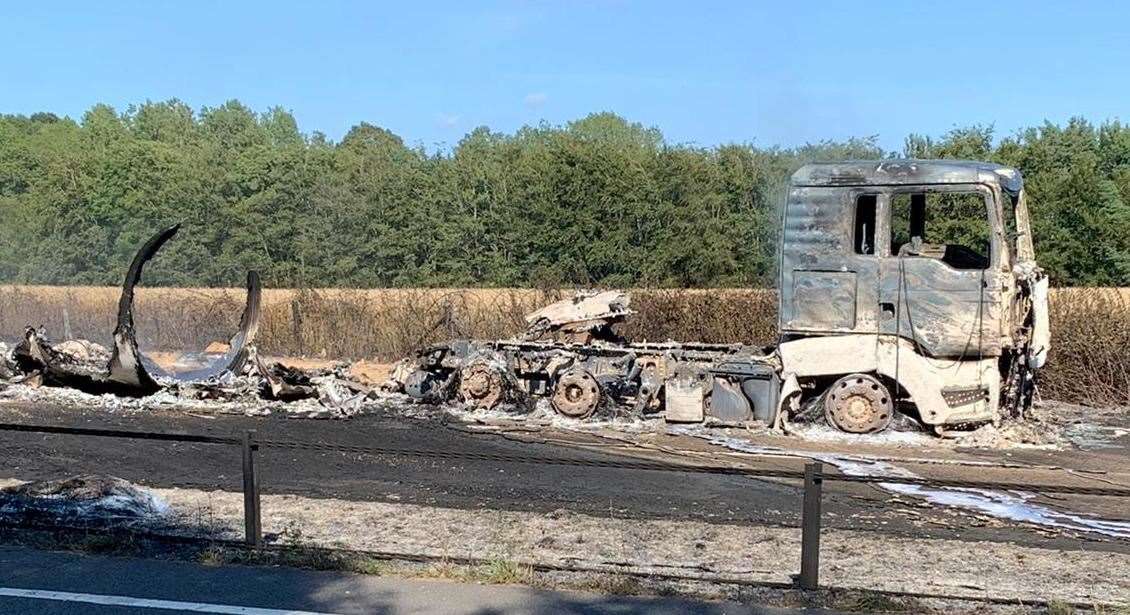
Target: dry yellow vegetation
[{"x": 1090, "y": 326}]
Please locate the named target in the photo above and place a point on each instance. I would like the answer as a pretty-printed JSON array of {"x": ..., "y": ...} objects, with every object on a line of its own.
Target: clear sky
[{"x": 704, "y": 72}]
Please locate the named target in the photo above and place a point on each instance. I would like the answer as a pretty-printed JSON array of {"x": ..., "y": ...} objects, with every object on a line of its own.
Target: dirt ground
[
  {"x": 589, "y": 490},
  {"x": 720, "y": 552},
  {"x": 973, "y": 544}
]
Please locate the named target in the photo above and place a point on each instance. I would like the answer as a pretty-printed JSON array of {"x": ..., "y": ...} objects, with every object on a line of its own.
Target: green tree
[{"x": 597, "y": 201}]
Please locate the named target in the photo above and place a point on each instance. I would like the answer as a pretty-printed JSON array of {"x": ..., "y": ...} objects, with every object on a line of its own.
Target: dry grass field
[{"x": 1090, "y": 326}]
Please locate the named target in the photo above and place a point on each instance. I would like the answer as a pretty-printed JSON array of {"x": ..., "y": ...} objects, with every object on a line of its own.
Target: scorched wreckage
[
  {"x": 879, "y": 311},
  {"x": 125, "y": 371},
  {"x": 904, "y": 286}
]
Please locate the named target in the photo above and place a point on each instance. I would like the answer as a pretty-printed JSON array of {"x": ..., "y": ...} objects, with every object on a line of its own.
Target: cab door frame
[{"x": 944, "y": 311}]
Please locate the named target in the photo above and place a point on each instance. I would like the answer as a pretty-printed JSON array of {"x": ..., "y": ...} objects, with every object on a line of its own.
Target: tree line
[{"x": 599, "y": 201}]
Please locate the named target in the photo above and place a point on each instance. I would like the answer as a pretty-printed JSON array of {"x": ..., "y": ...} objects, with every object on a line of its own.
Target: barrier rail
[{"x": 813, "y": 476}]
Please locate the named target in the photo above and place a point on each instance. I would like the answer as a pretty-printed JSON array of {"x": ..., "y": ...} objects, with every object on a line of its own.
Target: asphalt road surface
[
  {"x": 48, "y": 583},
  {"x": 452, "y": 484}
]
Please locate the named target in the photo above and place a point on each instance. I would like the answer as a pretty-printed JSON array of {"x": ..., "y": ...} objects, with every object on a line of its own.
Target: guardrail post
[
  {"x": 810, "y": 527},
  {"x": 252, "y": 519}
]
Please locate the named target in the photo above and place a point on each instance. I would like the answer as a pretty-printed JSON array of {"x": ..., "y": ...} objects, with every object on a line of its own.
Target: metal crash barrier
[{"x": 812, "y": 477}]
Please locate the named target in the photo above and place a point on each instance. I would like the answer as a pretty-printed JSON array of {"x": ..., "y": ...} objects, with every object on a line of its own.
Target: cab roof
[{"x": 906, "y": 172}]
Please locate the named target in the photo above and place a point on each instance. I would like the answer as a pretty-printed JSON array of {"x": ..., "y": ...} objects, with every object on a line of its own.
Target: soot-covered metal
[
  {"x": 869, "y": 326},
  {"x": 126, "y": 371}
]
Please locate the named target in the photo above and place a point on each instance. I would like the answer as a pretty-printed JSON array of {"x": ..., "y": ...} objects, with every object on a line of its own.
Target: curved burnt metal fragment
[
  {"x": 238, "y": 349},
  {"x": 128, "y": 372},
  {"x": 137, "y": 376},
  {"x": 126, "y": 368}
]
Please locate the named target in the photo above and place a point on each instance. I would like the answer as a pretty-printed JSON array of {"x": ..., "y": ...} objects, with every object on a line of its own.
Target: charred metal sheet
[
  {"x": 907, "y": 172},
  {"x": 84, "y": 366},
  {"x": 824, "y": 299},
  {"x": 284, "y": 383},
  {"x": 582, "y": 319},
  {"x": 728, "y": 403},
  {"x": 126, "y": 368},
  {"x": 946, "y": 312},
  {"x": 238, "y": 348},
  {"x": 127, "y": 365}
]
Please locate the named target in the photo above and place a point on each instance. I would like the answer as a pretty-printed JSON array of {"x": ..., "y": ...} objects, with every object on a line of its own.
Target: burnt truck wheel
[
  {"x": 577, "y": 394},
  {"x": 859, "y": 403},
  {"x": 481, "y": 385}
]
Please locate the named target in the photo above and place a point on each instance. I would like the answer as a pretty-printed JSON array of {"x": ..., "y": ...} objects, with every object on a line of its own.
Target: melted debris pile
[
  {"x": 572, "y": 357},
  {"x": 7, "y": 368},
  {"x": 1012, "y": 433},
  {"x": 83, "y": 498},
  {"x": 232, "y": 373},
  {"x": 256, "y": 387},
  {"x": 587, "y": 317}
]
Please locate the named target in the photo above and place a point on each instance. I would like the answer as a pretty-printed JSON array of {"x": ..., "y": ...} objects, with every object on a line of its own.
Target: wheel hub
[
  {"x": 481, "y": 385},
  {"x": 859, "y": 403},
  {"x": 577, "y": 394}
]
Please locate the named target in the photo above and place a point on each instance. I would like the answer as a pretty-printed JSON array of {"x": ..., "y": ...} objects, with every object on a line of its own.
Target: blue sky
[{"x": 704, "y": 72}]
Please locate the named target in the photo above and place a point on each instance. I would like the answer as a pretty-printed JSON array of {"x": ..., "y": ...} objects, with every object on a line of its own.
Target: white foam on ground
[
  {"x": 543, "y": 415},
  {"x": 125, "y": 501},
  {"x": 819, "y": 432},
  {"x": 1088, "y": 436},
  {"x": 1014, "y": 506},
  {"x": 342, "y": 403},
  {"x": 1011, "y": 505}
]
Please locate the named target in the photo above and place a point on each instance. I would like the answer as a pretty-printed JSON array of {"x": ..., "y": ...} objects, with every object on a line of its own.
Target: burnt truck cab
[
  {"x": 910, "y": 281},
  {"x": 905, "y": 285}
]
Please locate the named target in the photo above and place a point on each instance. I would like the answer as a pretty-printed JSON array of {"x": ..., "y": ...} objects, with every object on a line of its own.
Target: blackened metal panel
[
  {"x": 126, "y": 368},
  {"x": 815, "y": 232},
  {"x": 823, "y": 300},
  {"x": 825, "y": 286},
  {"x": 946, "y": 312},
  {"x": 906, "y": 172}
]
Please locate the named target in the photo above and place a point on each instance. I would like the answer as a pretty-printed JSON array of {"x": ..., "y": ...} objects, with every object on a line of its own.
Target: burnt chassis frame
[{"x": 684, "y": 382}]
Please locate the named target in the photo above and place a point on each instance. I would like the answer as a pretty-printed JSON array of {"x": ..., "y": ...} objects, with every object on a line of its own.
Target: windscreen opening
[{"x": 950, "y": 226}]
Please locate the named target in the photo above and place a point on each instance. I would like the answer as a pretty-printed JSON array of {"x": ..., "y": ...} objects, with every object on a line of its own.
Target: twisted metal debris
[
  {"x": 128, "y": 372},
  {"x": 123, "y": 371}
]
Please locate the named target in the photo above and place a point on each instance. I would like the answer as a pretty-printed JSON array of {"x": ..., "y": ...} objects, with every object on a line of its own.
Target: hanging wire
[{"x": 965, "y": 352}]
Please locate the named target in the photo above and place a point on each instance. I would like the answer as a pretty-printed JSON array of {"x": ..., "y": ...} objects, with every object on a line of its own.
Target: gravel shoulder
[
  {"x": 603, "y": 492},
  {"x": 707, "y": 551}
]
